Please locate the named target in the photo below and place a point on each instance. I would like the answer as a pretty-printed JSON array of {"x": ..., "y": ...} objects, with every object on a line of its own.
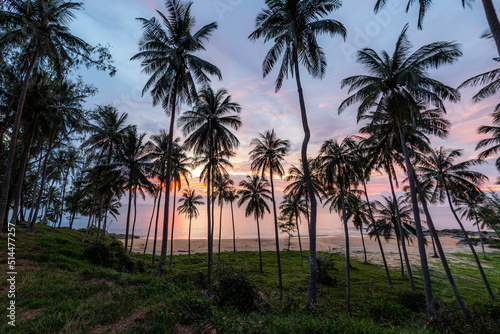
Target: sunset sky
[{"x": 113, "y": 22}]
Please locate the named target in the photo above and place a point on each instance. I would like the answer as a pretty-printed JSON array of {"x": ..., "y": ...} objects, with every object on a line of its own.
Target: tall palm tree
[
  {"x": 70, "y": 161},
  {"x": 188, "y": 207},
  {"x": 131, "y": 159},
  {"x": 223, "y": 185},
  {"x": 158, "y": 148},
  {"x": 336, "y": 162},
  {"x": 180, "y": 170},
  {"x": 452, "y": 180},
  {"x": 254, "y": 191},
  {"x": 267, "y": 155},
  {"x": 208, "y": 127},
  {"x": 489, "y": 10},
  {"x": 293, "y": 26},
  {"x": 40, "y": 29},
  {"x": 167, "y": 54},
  {"x": 399, "y": 82},
  {"x": 232, "y": 196}
]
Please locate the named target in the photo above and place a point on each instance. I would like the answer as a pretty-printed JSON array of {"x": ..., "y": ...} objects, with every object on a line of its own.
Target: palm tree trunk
[
  {"x": 310, "y": 189},
  {"x": 363, "y": 242},
  {"x": 434, "y": 247},
  {"x": 234, "y": 231},
  {"x": 99, "y": 217},
  {"x": 156, "y": 223},
  {"x": 72, "y": 220},
  {"x": 127, "y": 227},
  {"x": 480, "y": 235},
  {"x": 377, "y": 234},
  {"x": 164, "y": 242},
  {"x": 398, "y": 242},
  {"x": 300, "y": 243},
  {"x": 189, "y": 240},
  {"x": 150, "y": 223},
  {"x": 22, "y": 173},
  {"x": 492, "y": 18},
  {"x": 347, "y": 257},
  {"x": 401, "y": 231},
  {"x": 172, "y": 234},
  {"x": 209, "y": 227},
  {"x": 260, "y": 249},
  {"x": 444, "y": 262},
  {"x": 220, "y": 231},
  {"x": 133, "y": 225},
  {"x": 466, "y": 236},
  {"x": 42, "y": 184},
  {"x": 276, "y": 234},
  {"x": 35, "y": 188},
  {"x": 429, "y": 298},
  {"x": 104, "y": 226},
  {"x": 4, "y": 195},
  {"x": 62, "y": 197}
]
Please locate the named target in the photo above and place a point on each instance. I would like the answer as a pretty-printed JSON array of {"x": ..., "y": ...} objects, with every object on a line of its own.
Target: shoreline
[{"x": 451, "y": 244}]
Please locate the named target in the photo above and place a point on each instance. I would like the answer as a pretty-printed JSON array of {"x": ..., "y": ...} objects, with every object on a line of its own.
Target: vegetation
[{"x": 70, "y": 286}]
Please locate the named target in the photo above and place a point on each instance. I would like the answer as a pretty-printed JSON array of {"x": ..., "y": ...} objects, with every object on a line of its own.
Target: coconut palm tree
[
  {"x": 471, "y": 205},
  {"x": 222, "y": 186},
  {"x": 158, "y": 148},
  {"x": 399, "y": 83},
  {"x": 267, "y": 155},
  {"x": 208, "y": 130},
  {"x": 336, "y": 164},
  {"x": 188, "y": 207},
  {"x": 40, "y": 29},
  {"x": 424, "y": 5},
  {"x": 131, "y": 159},
  {"x": 452, "y": 180},
  {"x": 180, "y": 170},
  {"x": 254, "y": 191},
  {"x": 293, "y": 26},
  {"x": 232, "y": 196},
  {"x": 167, "y": 54},
  {"x": 291, "y": 209}
]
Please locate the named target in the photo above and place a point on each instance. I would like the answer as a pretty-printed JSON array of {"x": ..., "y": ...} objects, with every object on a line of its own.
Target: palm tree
[
  {"x": 158, "y": 148},
  {"x": 180, "y": 164},
  {"x": 398, "y": 83},
  {"x": 223, "y": 185},
  {"x": 131, "y": 159},
  {"x": 394, "y": 217},
  {"x": 40, "y": 29},
  {"x": 70, "y": 162},
  {"x": 452, "y": 180},
  {"x": 489, "y": 10},
  {"x": 232, "y": 196},
  {"x": 168, "y": 55},
  {"x": 254, "y": 191},
  {"x": 336, "y": 163},
  {"x": 208, "y": 127},
  {"x": 293, "y": 25},
  {"x": 188, "y": 207},
  {"x": 266, "y": 156},
  {"x": 291, "y": 209},
  {"x": 471, "y": 206}
]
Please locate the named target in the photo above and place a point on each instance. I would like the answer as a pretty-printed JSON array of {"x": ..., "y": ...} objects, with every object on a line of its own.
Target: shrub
[
  {"x": 237, "y": 290},
  {"x": 325, "y": 265}
]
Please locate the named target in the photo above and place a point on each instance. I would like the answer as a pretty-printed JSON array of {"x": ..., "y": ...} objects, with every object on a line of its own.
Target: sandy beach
[{"x": 332, "y": 244}]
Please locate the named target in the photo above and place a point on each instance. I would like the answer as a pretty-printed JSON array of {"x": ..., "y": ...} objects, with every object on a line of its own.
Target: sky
[{"x": 114, "y": 23}]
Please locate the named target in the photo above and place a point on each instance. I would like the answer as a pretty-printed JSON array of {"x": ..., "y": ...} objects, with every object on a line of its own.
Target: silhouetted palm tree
[
  {"x": 208, "y": 127},
  {"x": 254, "y": 191},
  {"x": 167, "y": 53},
  {"x": 188, "y": 207},
  {"x": 222, "y": 186},
  {"x": 291, "y": 209},
  {"x": 293, "y": 26}
]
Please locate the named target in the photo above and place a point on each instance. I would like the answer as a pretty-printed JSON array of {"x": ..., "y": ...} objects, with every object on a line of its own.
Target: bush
[
  {"x": 325, "y": 265},
  {"x": 238, "y": 291},
  {"x": 112, "y": 256}
]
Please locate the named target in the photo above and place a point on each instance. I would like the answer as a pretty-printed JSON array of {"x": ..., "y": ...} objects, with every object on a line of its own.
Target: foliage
[{"x": 238, "y": 291}]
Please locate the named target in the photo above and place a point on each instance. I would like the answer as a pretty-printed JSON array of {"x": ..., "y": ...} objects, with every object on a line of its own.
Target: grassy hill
[{"x": 64, "y": 285}]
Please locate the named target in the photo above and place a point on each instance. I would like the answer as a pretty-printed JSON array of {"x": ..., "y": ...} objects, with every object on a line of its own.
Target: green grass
[{"x": 60, "y": 289}]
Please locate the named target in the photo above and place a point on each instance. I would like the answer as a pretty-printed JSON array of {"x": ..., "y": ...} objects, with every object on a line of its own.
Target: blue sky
[{"x": 113, "y": 22}]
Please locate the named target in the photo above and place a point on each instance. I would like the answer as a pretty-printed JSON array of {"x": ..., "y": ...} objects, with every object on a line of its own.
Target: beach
[{"x": 336, "y": 244}]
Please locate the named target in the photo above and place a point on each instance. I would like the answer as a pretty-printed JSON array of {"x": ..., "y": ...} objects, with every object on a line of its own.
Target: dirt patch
[
  {"x": 179, "y": 329},
  {"x": 30, "y": 314}
]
